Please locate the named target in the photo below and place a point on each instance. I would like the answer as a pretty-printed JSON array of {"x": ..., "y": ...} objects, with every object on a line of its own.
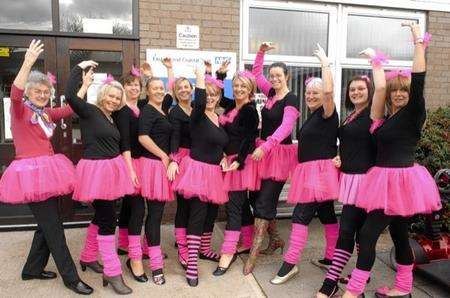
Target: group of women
[{"x": 172, "y": 147}]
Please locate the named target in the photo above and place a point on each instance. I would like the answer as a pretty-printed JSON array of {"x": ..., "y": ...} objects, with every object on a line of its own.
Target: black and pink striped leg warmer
[{"x": 193, "y": 243}]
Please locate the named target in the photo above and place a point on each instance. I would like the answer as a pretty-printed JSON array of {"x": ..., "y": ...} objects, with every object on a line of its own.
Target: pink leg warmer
[
  {"x": 247, "y": 236},
  {"x": 331, "y": 237},
  {"x": 180, "y": 237},
  {"x": 134, "y": 247},
  {"x": 155, "y": 257},
  {"x": 230, "y": 241},
  {"x": 358, "y": 281},
  {"x": 90, "y": 249},
  {"x": 297, "y": 242},
  {"x": 404, "y": 278},
  {"x": 110, "y": 259},
  {"x": 123, "y": 238}
]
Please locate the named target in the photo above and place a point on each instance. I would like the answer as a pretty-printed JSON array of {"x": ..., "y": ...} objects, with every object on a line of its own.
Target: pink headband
[
  {"x": 366, "y": 78},
  {"x": 246, "y": 74},
  {"x": 108, "y": 79},
  {"x": 51, "y": 78},
  {"x": 210, "y": 80},
  {"x": 379, "y": 58},
  {"x": 135, "y": 71},
  {"x": 406, "y": 73}
]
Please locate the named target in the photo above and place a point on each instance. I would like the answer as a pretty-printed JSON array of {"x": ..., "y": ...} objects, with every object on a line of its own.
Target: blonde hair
[
  {"x": 211, "y": 88},
  {"x": 105, "y": 90},
  {"x": 250, "y": 83},
  {"x": 396, "y": 83},
  {"x": 176, "y": 86}
]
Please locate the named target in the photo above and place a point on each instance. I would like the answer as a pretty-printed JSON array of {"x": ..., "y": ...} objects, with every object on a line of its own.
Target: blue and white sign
[{"x": 185, "y": 61}]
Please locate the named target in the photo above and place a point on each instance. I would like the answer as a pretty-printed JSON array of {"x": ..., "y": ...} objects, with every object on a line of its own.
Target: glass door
[{"x": 115, "y": 57}]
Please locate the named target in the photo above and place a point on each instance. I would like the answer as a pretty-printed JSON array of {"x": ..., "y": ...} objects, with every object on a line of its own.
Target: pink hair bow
[
  {"x": 210, "y": 80},
  {"x": 108, "y": 79},
  {"x": 406, "y": 73},
  {"x": 135, "y": 71},
  {"x": 366, "y": 77},
  {"x": 379, "y": 58},
  {"x": 51, "y": 77},
  {"x": 309, "y": 80},
  {"x": 246, "y": 74}
]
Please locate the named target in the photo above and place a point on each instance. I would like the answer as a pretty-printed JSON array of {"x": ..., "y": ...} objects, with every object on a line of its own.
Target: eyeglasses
[{"x": 41, "y": 92}]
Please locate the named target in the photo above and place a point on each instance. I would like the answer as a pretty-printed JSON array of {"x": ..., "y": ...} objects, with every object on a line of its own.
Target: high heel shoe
[
  {"x": 222, "y": 270},
  {"x": 275, "y": 241},
  {"x": 117, "y": 284},
  {"x": 139, "y": 278},
  {"x": 94, "y": 266}
]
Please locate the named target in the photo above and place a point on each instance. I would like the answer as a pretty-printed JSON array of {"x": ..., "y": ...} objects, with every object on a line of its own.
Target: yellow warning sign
[{"x": 4, "y": 52}]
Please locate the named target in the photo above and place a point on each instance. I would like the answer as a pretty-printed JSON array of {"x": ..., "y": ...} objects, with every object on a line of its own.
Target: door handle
[{"x": 62, "y": 100}]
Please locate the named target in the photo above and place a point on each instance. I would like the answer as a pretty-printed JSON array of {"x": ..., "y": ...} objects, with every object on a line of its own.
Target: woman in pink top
[{"x": 37, "y": 176}]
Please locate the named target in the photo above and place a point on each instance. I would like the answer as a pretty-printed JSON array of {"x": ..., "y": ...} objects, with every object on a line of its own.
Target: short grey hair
[{"x": 35, "y": 78}]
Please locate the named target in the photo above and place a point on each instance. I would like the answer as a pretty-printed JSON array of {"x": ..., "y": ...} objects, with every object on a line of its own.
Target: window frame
[
  {"x": 337, "y": 31},
  {"x": 57, "y": 32}
]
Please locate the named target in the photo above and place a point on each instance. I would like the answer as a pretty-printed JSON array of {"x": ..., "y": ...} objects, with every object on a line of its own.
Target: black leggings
[
  {"x": 211, "y": 215},
  {"x": 352, "y": 220},
  {"x": 191, "y": 214},
  {"x": 267, "y": 200},
  {"x": 132, "y": 214},
  {"x": 247, "y": 214},
  {"x": 155, "y": 210},
  {"x": 105, "y": 216},
  {"x": 375, "y": 224},
  {"x": 305, "y": 212},
  {"x": 235, "y": 208}
]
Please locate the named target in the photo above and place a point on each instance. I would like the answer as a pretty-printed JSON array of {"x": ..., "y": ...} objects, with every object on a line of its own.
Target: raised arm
[
  {"x": 167, "y": 62},
  {"x": 167, "y": 103},
  {"x": 221, "y": 75},
  {"x": 198, "y": 111},
  {"x": 327, "y": 83},
  {"x": 79, "y": 105},
  {"x": 17, "y": 89},
  {"x": 377, "y": 59},
  {"x": 263, "y": 84}
]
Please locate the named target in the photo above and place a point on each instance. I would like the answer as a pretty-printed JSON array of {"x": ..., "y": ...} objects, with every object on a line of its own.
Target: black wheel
[{"x": 419, "y": 254}]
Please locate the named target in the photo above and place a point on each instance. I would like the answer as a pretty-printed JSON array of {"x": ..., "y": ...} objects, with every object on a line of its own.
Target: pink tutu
[
  {"x": 279, "y": 164},
  {"x": 200, "y": 179},
  {"x": 399, "y": 191},
  {"x": 37, "y": 179},
  {"x": 155, "y": 185},
  {"x": 102, "y": 179},
  {"x": 245, "y": 179},
  {"x": 349, "y": 185},
  {"x": 314, "y": 181},
  {"x": 182, "y": 153}
]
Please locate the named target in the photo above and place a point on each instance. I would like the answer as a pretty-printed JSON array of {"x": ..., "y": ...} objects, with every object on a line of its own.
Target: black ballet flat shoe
[
  {"x": 192, "y": 282},
  {"x": 42, "y": 275},
  {"x": 80, "y": 287},
  {"x": 121, "y": 252},
  {"x": 139, "y": 278},
  {"x": 94, "y": 266},
  {"x": 222, "y": 270}
]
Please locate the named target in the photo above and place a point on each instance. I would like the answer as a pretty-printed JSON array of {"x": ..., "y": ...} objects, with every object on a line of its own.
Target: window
[
  {"x": 100, "y": 16},
  {"x": 26, "y": 15},
  {"x": 343, "y": 31}
]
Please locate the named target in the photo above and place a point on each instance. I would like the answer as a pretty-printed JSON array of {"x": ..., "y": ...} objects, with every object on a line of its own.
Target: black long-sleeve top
[
  {"x": 207, "y": 139},
  {"x": 356, "y": 146},
  {"x": 317, "y": 137},
  {"x": 128, "y": 124},
  {"x": 397, "y": 138},
  {"x": 157, "y": 126},
  {"x": 181, "y": 135},
  {"x": 272, "y": 118},
  {"x": 242, "y": 131},
  {"x": 100, "y": 137}
]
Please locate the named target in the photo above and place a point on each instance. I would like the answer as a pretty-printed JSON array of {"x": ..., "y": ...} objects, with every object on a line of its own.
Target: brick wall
[
  {"x": 437, "y": 89},
  {"x": 218, "y": 21}
]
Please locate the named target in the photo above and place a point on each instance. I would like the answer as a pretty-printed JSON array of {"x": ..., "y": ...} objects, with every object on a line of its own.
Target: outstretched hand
[
  {"x": 33, "y": 52},
  {"x": 368, "y": 53},
  {"x": 266, "y": 46},
  {"x": 321, "y": 55},
  {"x": 88, "y": 63},
  {"x": 146, "y": 70},
  {"x": 224, "y": 66},
  {"x": 415, "y": 29},
  {"x": 167, "y": 62}
]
